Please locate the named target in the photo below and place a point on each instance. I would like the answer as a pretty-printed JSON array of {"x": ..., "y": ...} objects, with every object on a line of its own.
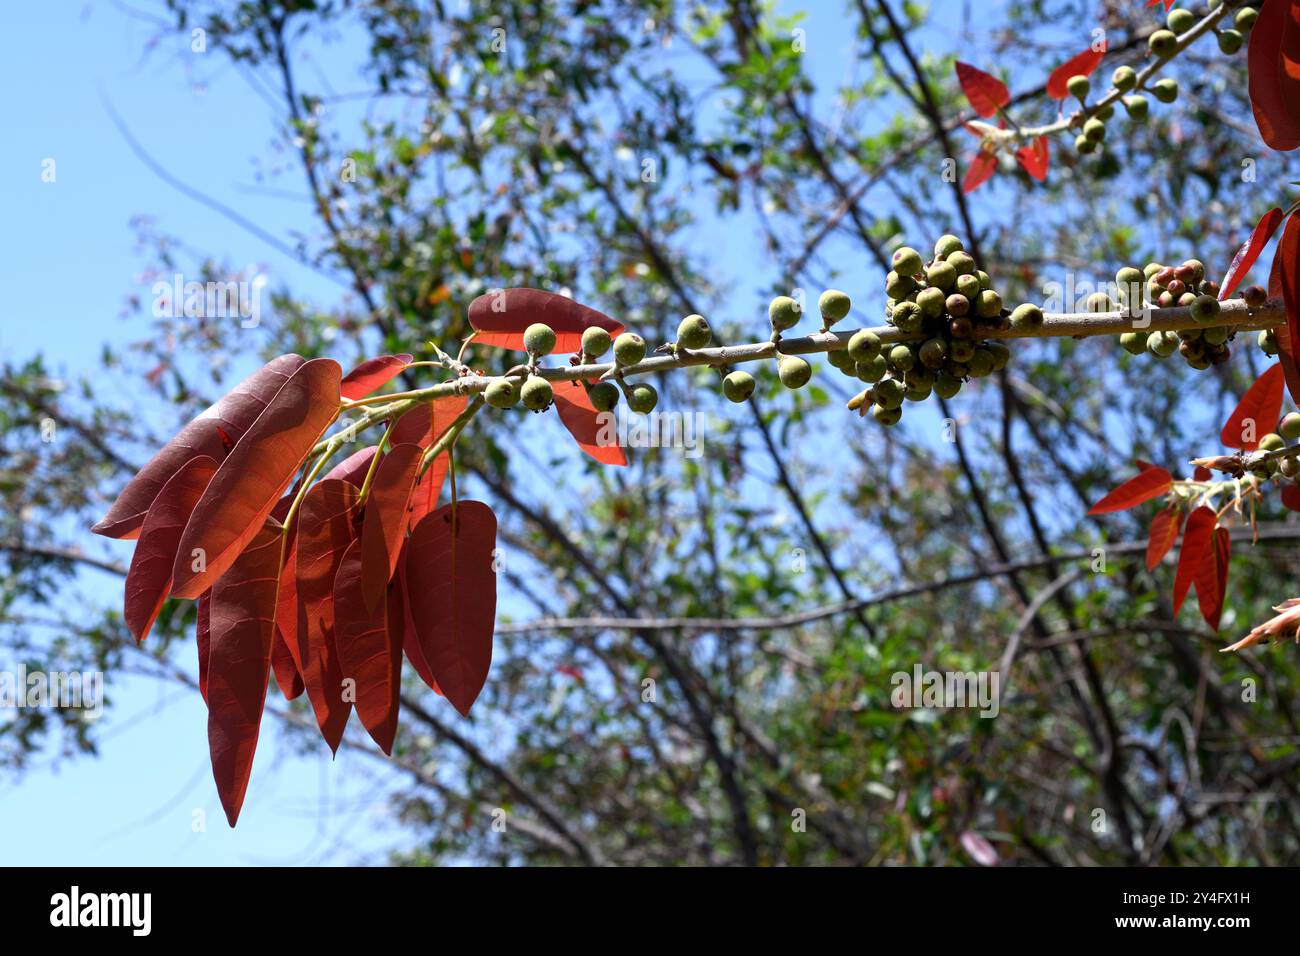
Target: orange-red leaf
[
  {"x": 1249, "y": 252},
  {"x": 451, "y": 587},
  {"x": 246, "y": 487},
  {"x": 1212, "y": 577},
  {"x": 370, "y": 653},
  {"x": 986, "y": 93},
  {"x": 287, "y": 677},
  {"x": 1035, "y": 158},
  {"x": 1164, "y": 532},
  {"x": 1146, "y": 484},
  {"x": 1284, "y": 281},
  {"x": 211, "y": 434},
  {"x": 594, "y": 431},
  {"x": 203, "y": 638},
  {"x": 1081, "y": 65},
  {"x": 326, "y": 526},
  {"x": 239, "y": 659},
  {"x": 1196, "y": 540},
  {"x": 424, "y": 425},
  {"x": 1277, "y": 121},
  {"x": 384, "y": 526},
  {"x": 371, "y": 374},
  {"x": 410, "y": 642},
  {"x": 1257, "y": 413},
  {"x": 149, "y": 579},
  {"x": 500, "y": 317},
  {"x": 984, "y": 165}
]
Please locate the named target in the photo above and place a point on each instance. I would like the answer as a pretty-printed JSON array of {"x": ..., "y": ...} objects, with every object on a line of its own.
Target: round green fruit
[
  {"x": 907, "y": 317},
  {"x": 901, "y": 358},
  {"x": 604, "y": 396},
  {"x": 539, "y": 339},
  {"x": 1290, "y": 426},
  {"x": 981, "y": 363},
  {"x": 941, "y": 275},
  {"x": 917, "y": 393},
  {"x": 536, "y": 394},
  {"x": 1245, "y": 19},
  {"x": 864, "y": 345},
  {"x": 946, "y": 246},
  {"x": 899, "y": 286},
  {"x": 784, "y": 313},
  {"x": 988, "y": 305},
  {"x": 1001, "y": 355},
  {"x": 1217, "y": 335},
  {"x": 1094, "y": 130},
  {"x": 642, "y": 398},
  {"x": 738, "y": 386},
  {"x": 1084, "y": 145},
  {"x": 1271, "y": 442},
  {"x": 1135, "y": 343},
  {"x": 907, "y": 261},
  {"x": 961, "y": 350},
  {"x": 1026, "y": 317},
  {"x": 889, "y": 393},
  {"x": 595, "y": 342},
  {"x": 969, "y": 286},
  {"x": 1230, "y": 41},
  {"x": 957, "y": 304},
  {"x": 1180, "y": 20},
  {"x": 1163, "y": 43},
  {"x": 1124, "y": 78},
  {"x": 1098, "y": 302},
  {"x": 1166, "y": 90},
  {"x": 629, "y": 348},
  {"x": 946, "y": 386},
  {"x": 931, "y": 302},
  {"x": 873, "y": 370},
  {"x": 842, "y": 360},
  {"x": 886, "y": 416},
  {"x": 934, "y": 352},
  {"x": 1268, "y": 342},
  {"x": 1162, "y": 344},
  {"x": 962, "y": 263},
  {"x": 1137, "y": 107},
  {"x": 793, "y": 371},
  {"x": 1078, "y": 86},
  {"x": 503, "y": 393},
  {"x": 1205, "y": 308},
  {"x": 833, "y": 305},
  {"x": 694, "y": 332}
]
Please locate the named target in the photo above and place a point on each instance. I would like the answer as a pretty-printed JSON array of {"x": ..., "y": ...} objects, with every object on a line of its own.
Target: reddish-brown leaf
[
  {"x": 203, "y": 638},
  {"x": 1146, "y": 484},
  {"x": 983, "y": 166},
  {"x": 1284, "y": 281},
  {"x": 594, "y": 431},
  {"x": 224, "y": 422},
  {"x": 1275, "y": 113},
  {"x": 370, "y": 653},
  {"x": 1164, "y": 532},
  {"x": 425, "y": 430},
  {"x": 500, "y": 317},
  {"x": 1201, "y": 473},
  {"x": 242, "y": 628},
  {"x": 384, "y": 525},
  {"x": 149, "y": 579},
  {"x": 1257, "y": 413},
  {"x": 410, "y": 643},
  {"x": 371, "y": 374},
  {"x": 1081, "y": 65},
  {"x": 1212, "y": 577},
  {"x": 246, "y": 487},
  {"x": 353, "y": 468},
  {"x": 1196, "y": 540},
  {"x": 1291, "y": 496},
  {"x": 1035, "y": 158},
  {"x": 326, "y": 526},
  {"x": 286, "y": 673},
  {"x": 1249, "y": 252},
  {"x": 451, "y": 588},
  {"x": 986, "y": 93}
]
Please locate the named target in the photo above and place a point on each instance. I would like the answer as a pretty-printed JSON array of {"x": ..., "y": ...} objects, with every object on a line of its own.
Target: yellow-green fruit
[
  {"x": 1026, "y": 317},
  {"x": 738, "y": 386},
  {"x": 981, "y": 363},
  {"x": 946, "y": 386},
  {"x": 784, "y": 313},
  {"x": 1137, "y": 107},
  {"x": 642, "y": 398},
  {"x": 934, "y": 352},
  {"x": 1098, "y": 302},
  {"x": 604, "y": 396},
  {"x": 873, "y": 370},
  {"x": 1290, "y": 426},
  {"x": 1084, "y": 145},
  {"x": 907, "y": 261},
  {"x": 539, "y": 339},
  {"x": 962, "y": 263},
  {"x": 1162, "y": 344},
  {"x": 988, "y": 305},
  {"x": 931, "y": 302},
  {"x": 1124, "y": 78},
  {"x": 961, "y": 350},
  {"x": 946, "y": 246},
  {"x": 1166, "y": 90},
  {"x": 842, "y": 360},
  {"x": 1094, "y": 130},
  {"x": 503, "y": 393},
  {"x": 901, "y": 358},
  {"x": 1163, "y": 43},
  {"x": 629, "y": 349},
  {"x": 1217, "y": 335},
  {"x": 1205, "y": 308},
  {"x": 833, "y": 305},
  {"x": 1135, "y": 343},
  {"x": 694, "y": 333},
  {"x": 595, "y": 342},
  {"x": 917, "y": 393},
  {"x": 941, "y": 275},
  {"x": 1078, "y": 86},
  {"x": 899, "y": 286},
  {"x": 1268, "y": 342},
  {"x": 1001, "y": 355},
  {"x": 889, "y": 393},
  {"x": 536, "y": 394},
  {"x": 1230, "y": 41},
  {"x": 907, "y": 316},
  {"x": 886, "y": 416},
  {"x": 864, "y": 345},
  {"x": 1180, "y": 20},
  {"x": 793, "y": 371},
  {"x": 969, "y": 286},
  {"x": 985, "y": 281},
  {"x": 1271, "y": 442},
  {"x": 1245, "y": 19}
]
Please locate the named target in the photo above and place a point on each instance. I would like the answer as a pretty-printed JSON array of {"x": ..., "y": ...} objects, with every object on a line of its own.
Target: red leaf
[
  {"x": 1035, "y": 158},
  {"x": 370, "y": 653},
  {"x": 586, "y": 424},
  {"x": 326, "y": 526},
  {"x": 984, "y": 165},
  {"x": 1147, "y": 484},
  {"x": 353, "y": 468},
  {"x": 1257, "y": 412},
  {"x": 410, "y": 642},
  {"x": 1212, "y": 577},
  {"x": 384, "y": 526},
  {"x": 1284, "y": 281},
  {"x": 1196, "y": 539},
  {"x": 1164, "y": 531},
  {"x": 246, "y": 487},
  {"x": 371, "y": 374},
  {"x": 1249, "y": 252},
  {"x": 206, "y": 435},
  {"x": 451, "y": 587},
  {"x": 1081, "y": 65},
  {"x": 242, "y": 628},
  {"x": 986, "y": 93},
  {"x": 439, "y": 415},
  {"x": 203, "y": 638},
  {"x": 287, "y": 677},
  {"x": 1291, "y": 496},
  {"x": 1272, "y": 75},
  {"x": 500, "y": 317},
  {"x": 150, "y": 577},
  {"x": 1169, "y": 4}
]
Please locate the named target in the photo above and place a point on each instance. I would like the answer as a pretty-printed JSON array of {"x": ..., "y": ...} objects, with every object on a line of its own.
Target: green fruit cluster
[
  {"x": 947, "y": 303},
  {"x": 1165, "y": 287}
]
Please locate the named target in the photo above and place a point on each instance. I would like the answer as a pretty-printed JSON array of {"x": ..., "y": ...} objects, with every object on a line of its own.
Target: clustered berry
[
  {"x": 1288, "y": 430},
  {"x": 1165, "y": 287},
  {"x": 947, "y": 304}
]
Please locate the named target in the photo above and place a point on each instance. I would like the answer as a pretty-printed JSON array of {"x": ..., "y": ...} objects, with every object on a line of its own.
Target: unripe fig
[
  {"x": 962, "y": 263},
  {"x": 1001, "y": 355},
  {"x": 604, "y": 396},
  {"x": 1230, "y": 41},
  {"x": 738, "y": 386},
  {"x": 539, "y": 339},
  {"x": 961, "y": 350},
  {"x": 1026, "y": 317},
  {"x": 899, "y": 286},
  {"x": 783, "y": 312},
  {"x": 1124, "y": 78},
  {"x": 901, "y": 358},
  {"x": 1180, "y": 20},
  {"x": 917, "y": 393},
  {"x": 1217, "y": 335},
  {"x": 1205, "y": 308},
  {"x": 1137, "y": 107},
  {"x": 864, "y": 345},
  {"x": 629, "y": 349},
  {"x": 919, "y": 377},
  {"x": 694, "y": 333},
  {"x": 1098, "y": 302},
  {"x": 1271, "y": 442},
  {"x": 907, "y": 261},
  {"x": 985, "y": 281},
  {"x": 1245, "y": 19},
  {"x": 642, "y": 398},
  {"x": 873, "y": 370},
  {"x": 1163, "y": 43},
  {"x": 1084, "y": 145},
  {"x": 981, "y": 363},
  {"x": 988, "y": 305},
  {"x": 842, "y": 360},
  {"x": 1151, "y": 269},
  {"x": 1187, "y": 298},
  {"x": 934, "y": 352},
  {"x": 969, "y": 286},
  {"x": 1166, "y": 300},
  {"x": 1134, "y": 343},
  {"x": 793, "y": 371},
  {"x": 886, "y": 416},
  {"x": 833, "y": 305},
  {"x": 941, "y": 275},
  {"x": 1095, "y": 130},
  {"x": 1255, "y": 296},
  {"x": 957, "y": 370},
  {"x": 957, "y": 304},
  {"x": 1129, "y": 276},
  {"x": 946, "y": 246},
  {"x": 1166, "y": 90},
  {"x": 1289, "y": 428},
  {"x": 946, "y": 386},
  {"x": 1078, "y": 86},
  {"x": 595, "y": 342},
  {"x": 1268, "y": 342},
  {"x": 889, "y": 393},
  {"x": 536, "y": 394},
  {"x": 931, "y": 302},
  {"x": 1162, "y": 344},
  {"x": 907, "y": 317},
  {"x": 503, "y": 393}
]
